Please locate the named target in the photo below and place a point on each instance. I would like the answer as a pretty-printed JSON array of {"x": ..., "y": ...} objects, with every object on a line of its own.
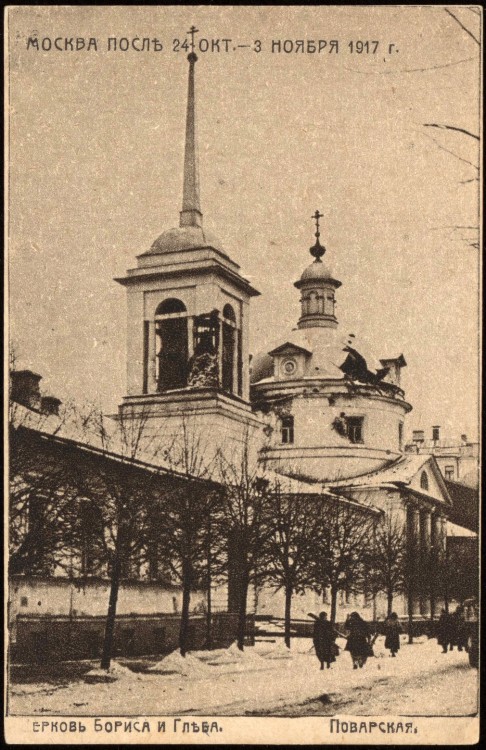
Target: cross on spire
[
  {"x": 192, "y": 31},
  {"x": 317, "y": 251}
]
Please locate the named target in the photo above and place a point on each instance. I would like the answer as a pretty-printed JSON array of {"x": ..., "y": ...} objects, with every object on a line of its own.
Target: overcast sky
[{"x": 96, "y": 150}]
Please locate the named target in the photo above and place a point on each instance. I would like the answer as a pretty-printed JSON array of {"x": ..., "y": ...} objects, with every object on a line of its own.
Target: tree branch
[
  {"x": 462, "y": 25},
  {"x": 448, "y": 151},
  {"x": 450, "y": 127}
]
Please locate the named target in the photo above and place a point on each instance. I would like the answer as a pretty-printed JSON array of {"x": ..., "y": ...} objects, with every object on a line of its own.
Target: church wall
[
  {"x": 51, "y": 596},
  {"x": 319, "y": 451},
  {"x": 134, "y": 341},
  {"x": 314, "y": 418},
  {"x": 207, "y": 429}
]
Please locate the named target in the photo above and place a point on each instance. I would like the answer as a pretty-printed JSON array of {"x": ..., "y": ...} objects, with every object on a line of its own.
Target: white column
[
  {"x": 443, "y": 534},
  {"x": 425, "y": 532},
  {"x": 416, "y": 542},
  {"x": 235, "y": 360},
  {"x": 220, "y": 351},
  {"x": 244, "y": 323},
  {"x": 152, "y": 366},
  {"x": 190, "y": 337}
]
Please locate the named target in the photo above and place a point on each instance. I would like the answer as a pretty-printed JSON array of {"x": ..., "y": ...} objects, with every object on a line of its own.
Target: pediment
[{"x": 289, "y": 348}]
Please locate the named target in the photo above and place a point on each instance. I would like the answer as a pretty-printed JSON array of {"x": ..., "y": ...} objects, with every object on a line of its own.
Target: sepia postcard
[{"x": 242, "y": 372}]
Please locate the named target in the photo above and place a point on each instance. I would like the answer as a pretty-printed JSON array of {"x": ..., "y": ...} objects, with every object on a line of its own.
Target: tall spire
[{"x": 191, "y": 215}]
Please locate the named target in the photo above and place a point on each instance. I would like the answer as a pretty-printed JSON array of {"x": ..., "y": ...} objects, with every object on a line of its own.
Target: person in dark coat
[
  {"x": 392, "y": 633},
  {"x": 323, "y": 638},
  {"x": 444, "y": 631},
  {"x": 458, "y": 630},
  {"x": 358, "y": 643}
]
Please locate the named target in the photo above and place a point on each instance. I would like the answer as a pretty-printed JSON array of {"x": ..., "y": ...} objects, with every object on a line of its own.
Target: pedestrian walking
[
  {"x": 458, "y": 630},
  {"x": 392, "y": 633},
  {"x": 324, "y": 637},
  {"x": 358, "y": 643},
  {"x": 444, "y": 631}
]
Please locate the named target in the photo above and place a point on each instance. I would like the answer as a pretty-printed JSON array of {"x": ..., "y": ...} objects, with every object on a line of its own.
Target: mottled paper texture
[{"x": 372, "y": 116}]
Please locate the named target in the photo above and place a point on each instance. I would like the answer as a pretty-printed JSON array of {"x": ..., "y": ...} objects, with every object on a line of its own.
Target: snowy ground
[{"x": 266, "y": 680}]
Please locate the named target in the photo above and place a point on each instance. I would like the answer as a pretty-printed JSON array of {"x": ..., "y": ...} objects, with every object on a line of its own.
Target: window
[
  {"x": 287, "y": 430},
  {"x": 354, "y": 428},
  {"x": 424, "y": 481},
  {"x": 449, "y": 473},
  {"x": 435, "y": 433},
  {"x": 23, "y": 601}
]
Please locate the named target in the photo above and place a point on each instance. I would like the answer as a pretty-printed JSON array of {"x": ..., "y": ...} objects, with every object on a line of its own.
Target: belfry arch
[{"x": 172, "y": 344}]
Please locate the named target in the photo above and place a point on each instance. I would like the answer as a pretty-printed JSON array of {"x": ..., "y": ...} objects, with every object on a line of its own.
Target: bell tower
[{"x": 188, "y": 310}]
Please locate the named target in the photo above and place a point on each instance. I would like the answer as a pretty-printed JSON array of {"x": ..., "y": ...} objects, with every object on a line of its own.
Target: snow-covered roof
[
  {"x": 88, "y": 434},
  {"x": 454, "y": 530},
  {"x": 402, "y": 470},
  {"x": 399, "y": 472}
]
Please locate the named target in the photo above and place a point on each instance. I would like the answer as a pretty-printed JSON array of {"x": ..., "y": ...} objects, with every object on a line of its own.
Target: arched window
[
  {"x": 170, "y": 306},
  {"x": 229, "y": 313},
  {"x": 231, "y": 352},
  {"x": 424, "y": 481},
  {"x": 171, "y": 328},
  {"x": 313, "y": 304}
]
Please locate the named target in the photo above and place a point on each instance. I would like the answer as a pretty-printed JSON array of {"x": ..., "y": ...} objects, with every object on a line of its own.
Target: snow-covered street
[{"x": 267, "y": 680}]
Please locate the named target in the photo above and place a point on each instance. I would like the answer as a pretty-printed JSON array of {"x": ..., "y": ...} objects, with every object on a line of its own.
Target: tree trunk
[
  {"x": 209, "y": 635},
  {"x": 389, "y": 602},
  {"x": 410, "y": 613},
  {"x": 111, "y": 616},
  {"x": 433, "y": 603},
  {"x": 334, "y": 594},
  {"x": 208, "y": 600},
  {"x": 240, "y": 637},
  {"x": 288, "y": 606},
  {"x": 186, "y": 600}
]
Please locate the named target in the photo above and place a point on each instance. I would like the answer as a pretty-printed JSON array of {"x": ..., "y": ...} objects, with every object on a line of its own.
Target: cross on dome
[{"x": 317, "y": 250}]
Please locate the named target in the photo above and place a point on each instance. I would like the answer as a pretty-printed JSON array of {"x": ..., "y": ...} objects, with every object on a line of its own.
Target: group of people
[
  {"x": 452, "y": 630},
  {"x": 359, "y": 639}
]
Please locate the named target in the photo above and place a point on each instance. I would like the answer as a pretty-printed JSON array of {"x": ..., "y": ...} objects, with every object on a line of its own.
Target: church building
[{"x": 318, "y": 410}]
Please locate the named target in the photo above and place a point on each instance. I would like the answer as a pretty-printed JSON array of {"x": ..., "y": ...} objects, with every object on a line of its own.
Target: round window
[{"x": 289, "y": 367}]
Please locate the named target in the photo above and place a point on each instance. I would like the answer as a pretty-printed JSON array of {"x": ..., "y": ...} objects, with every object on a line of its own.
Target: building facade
[{"x": 458, "y": 458}]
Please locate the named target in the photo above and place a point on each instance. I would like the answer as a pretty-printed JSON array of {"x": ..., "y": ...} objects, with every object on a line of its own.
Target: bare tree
[
  {"x": 247, "y": 525},
  {"x": 342, "y": 548},
  {"x": 188, "y": 524},
  {"x": 119, "y": 489},
  {"x": 387, "y": 558},
  {"x": 291, "y": 542},
  {"x": 40, "y": 506}
]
